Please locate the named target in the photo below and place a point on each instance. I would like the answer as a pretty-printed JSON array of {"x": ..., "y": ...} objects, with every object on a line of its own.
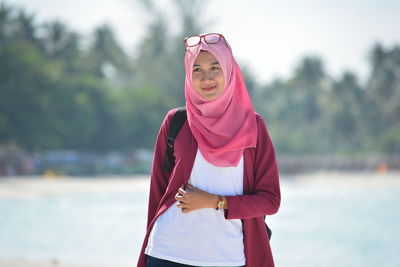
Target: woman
[{"x": 209, "y": 210}]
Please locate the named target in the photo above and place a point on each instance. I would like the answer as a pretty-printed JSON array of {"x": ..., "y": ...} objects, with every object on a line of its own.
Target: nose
[{"x": 207, "y": 75}]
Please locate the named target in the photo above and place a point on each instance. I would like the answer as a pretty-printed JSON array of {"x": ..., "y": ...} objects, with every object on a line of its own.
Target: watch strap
[{"x": 221, "y": 203}]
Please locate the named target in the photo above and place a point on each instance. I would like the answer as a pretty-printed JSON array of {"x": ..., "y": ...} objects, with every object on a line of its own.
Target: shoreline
[
  {"x": 18, "y": 187},
  {"x": 37, "y": 186}
]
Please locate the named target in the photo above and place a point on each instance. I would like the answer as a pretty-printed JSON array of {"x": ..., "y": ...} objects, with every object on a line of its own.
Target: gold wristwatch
[{"x": 221, "y": 203}]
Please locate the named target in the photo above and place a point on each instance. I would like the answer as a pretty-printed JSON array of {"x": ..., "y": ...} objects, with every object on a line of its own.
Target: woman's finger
[
  {"x": 179, "y": 198},
  {"x": 185, "y": 210},
  {"x": 190, "y": 187},
  {"x": 181, "y": 191},
  {"x": 182, "y": 205}
]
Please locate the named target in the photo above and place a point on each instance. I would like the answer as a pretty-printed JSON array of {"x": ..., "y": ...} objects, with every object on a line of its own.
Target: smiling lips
[{"x": 209, "y": 88}]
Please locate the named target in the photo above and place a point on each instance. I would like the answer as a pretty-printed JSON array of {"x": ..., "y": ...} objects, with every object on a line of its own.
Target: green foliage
[
  {"x": 56, "y": 93},
  {"x": 390, "y": 141},
  {"x": 24, "y": 93},
  {"x": 313, "y": 113}
]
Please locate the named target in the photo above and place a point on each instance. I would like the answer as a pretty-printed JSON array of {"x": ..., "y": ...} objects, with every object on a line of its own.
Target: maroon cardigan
[{"x": 261, "y": 191}]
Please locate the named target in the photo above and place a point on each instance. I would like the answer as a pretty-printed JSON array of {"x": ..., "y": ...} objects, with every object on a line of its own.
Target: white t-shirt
[{"x": 202, "y": 237}]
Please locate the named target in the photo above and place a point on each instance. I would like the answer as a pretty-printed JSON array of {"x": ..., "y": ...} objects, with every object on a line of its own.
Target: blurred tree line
[{"x": 60, "y": 90}]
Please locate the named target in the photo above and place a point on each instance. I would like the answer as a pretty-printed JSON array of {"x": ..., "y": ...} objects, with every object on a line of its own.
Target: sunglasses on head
[{"x": 209, "y": 38}]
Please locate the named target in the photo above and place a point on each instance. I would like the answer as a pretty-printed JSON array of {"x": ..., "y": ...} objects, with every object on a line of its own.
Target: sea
[{"x": 325, "y": 220}]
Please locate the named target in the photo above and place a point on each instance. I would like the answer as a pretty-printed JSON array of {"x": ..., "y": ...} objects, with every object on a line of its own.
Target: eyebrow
[{"x": 214, "y": 63}]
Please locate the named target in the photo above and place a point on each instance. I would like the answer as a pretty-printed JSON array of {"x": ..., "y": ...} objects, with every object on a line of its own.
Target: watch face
[{"x": 221, "y": 205}]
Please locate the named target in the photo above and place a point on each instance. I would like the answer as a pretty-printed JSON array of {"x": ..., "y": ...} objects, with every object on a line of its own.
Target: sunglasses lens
[
  {"x": 192, "y": 41},
  {"x": 212, "y": 38}
]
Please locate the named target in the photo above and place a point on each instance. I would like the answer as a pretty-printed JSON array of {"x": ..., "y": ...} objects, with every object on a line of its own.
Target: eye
[
  {"x": 196, "y": 69},
  {"x": 215, "y": 68}
]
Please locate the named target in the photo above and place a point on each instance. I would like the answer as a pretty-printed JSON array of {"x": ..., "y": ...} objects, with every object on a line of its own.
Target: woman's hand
[{"x": 193, "y": 199}]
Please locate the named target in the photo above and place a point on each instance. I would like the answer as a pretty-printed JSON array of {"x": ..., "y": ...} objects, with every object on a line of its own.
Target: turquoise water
[
  {"x": 338, "y": 224},
  {"x": 320, "y": 223},
  {"x": 98, "y": 229}
]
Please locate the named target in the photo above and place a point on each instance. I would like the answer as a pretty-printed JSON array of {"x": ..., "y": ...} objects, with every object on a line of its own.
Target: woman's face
[{"x": 207, "y": 77}]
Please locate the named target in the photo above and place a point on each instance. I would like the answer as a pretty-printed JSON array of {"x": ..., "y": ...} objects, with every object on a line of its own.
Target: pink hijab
[{"x": 223, "y": 127}]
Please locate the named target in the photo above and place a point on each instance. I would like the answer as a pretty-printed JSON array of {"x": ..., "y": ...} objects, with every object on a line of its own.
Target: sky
[{"x": 267, "y": 36}]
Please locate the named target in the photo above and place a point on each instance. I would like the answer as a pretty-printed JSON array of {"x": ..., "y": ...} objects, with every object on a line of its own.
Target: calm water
[{"x": 332, "y": 222}]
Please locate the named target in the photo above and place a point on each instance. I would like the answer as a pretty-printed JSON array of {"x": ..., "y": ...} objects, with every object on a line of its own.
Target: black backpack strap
[
  {"x": 269, "y": 231},
  {"x": 177, "y": 121}
]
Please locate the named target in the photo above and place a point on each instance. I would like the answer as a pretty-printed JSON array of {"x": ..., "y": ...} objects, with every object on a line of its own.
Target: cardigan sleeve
[
  {"x": 158, "y": 178},
  {"x": 265, "y": 199}
]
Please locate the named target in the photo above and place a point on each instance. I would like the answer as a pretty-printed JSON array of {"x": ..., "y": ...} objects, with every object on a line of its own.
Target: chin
[{"x": 210, "y": 98}]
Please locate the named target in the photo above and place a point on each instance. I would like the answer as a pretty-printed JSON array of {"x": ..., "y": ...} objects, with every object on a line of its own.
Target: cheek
[
  {"x": 195, "y": 77},
  {"x": 220, "y": 78},
  {"x": 195, "y": 82}
]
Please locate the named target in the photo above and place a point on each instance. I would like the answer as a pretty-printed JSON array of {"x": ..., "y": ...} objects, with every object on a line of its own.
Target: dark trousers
[{"x": 155, "y": 262}]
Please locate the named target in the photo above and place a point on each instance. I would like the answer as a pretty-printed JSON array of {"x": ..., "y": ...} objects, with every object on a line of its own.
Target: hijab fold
[{"x": 223, "y": 127}]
